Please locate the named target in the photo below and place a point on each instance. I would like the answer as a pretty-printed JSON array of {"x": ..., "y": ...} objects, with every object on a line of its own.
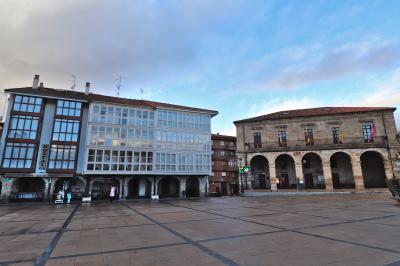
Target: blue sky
[{"x": 242, "y": 58}]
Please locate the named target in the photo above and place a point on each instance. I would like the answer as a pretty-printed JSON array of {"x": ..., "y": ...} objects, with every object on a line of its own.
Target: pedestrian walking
[
  {"x": 69, "y": 196},
  {"x": 112, "y": 193}
]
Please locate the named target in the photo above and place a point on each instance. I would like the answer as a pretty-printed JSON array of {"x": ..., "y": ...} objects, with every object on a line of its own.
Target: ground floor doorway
[{"x": 101, "y": 188}]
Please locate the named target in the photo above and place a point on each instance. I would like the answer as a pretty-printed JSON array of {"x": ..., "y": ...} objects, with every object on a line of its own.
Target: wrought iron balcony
[{"x": 317, "y": 144}]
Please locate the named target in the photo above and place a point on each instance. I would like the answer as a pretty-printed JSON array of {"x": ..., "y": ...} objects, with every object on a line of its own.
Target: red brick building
[{"x": 224, "y": 180}]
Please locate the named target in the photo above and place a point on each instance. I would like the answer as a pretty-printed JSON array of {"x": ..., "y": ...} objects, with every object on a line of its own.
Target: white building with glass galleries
[
  {"x": 147, "y": 148},
  {"x": 59, "y": 140}
]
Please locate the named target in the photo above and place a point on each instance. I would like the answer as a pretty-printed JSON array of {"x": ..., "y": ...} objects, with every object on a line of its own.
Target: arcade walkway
[{"x": 358, "y": 229}]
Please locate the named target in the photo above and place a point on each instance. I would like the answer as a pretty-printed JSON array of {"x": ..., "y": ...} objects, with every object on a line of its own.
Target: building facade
[
  {"x": 224, "y": 180},
  {"x": 58, "y": 140},
  {"x": 320, "y": 148}
]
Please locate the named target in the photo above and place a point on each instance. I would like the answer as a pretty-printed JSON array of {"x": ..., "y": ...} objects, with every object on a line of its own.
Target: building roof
[
  {"x": 223, "y": 137},
  {"x": 320, "y": 111},
  {"x": 92, "y": 97}
]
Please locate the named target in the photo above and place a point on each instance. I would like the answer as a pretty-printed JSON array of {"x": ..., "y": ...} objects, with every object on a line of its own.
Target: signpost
[{"x": 243, "y": 170}]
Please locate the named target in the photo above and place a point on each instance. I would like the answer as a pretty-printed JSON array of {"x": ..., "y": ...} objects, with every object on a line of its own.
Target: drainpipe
[{"x": 388, "y": 146}]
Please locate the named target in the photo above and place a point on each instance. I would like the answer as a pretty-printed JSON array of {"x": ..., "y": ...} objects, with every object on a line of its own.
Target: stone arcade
[{"x": 326, "y": 148}]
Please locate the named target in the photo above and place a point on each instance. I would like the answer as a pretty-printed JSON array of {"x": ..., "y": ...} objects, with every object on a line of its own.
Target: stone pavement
[{"x": 359, "y": 229}]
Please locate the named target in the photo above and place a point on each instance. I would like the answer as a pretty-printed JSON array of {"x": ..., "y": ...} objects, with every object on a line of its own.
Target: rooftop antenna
[
  {"x": 141, "y": 91},
  {"x": 118, "y": 86},
  {"x": 73, "y": 82}
]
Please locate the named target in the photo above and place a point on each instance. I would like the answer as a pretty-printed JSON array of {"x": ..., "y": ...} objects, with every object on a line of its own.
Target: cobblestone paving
[{"x": 358, "y": 229}]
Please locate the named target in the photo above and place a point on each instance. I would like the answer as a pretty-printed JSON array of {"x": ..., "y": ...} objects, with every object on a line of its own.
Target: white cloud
[{"x": 282, "y": 104}]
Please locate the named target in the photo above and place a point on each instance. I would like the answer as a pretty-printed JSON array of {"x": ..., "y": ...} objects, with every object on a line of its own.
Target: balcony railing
[{"x": 347, "y": 143}]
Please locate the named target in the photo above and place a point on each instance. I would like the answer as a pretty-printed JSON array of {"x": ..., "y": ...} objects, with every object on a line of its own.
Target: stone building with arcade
[
  {"x": 328, "y": 148},
  {"x": 62, "y": 140}
]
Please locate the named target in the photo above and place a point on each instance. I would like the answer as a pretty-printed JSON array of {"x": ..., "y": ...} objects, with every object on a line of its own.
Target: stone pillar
[
  {"x": 121, "y": 189},
  {"x": 388, "y": 169},
  {"x": 327, "y": 173},
  {"x": 204, "y": 186},
  {"x": 6, "y": 188},
  {"x": 357, "y": 172},
  {"x": 47, "y": 187},
  {"x": 182, "y": 187},
  {"x": 272, "y": 176},
  {"x": 153, "y": 186},
  {"x": 299, "y": 173}
]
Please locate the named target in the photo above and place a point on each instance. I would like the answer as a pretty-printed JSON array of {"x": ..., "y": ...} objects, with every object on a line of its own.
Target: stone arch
[
  {"x": 192, "y": 186},
  {"x": 313, "y": 172},
  {"x": 342, "y": 170},
  {"x": 29, "y": 189},
  {"x": 373, "y": 169},
  {"x": 285, "y": 171},
  {"x": 30, "y": 184},
  {"x": 259, "y": 168},
  {"x": 168, "y": 186},
  {"x": 139, "y": 188}
]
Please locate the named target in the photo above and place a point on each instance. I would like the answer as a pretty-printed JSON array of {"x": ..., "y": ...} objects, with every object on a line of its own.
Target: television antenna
[
  {"x": 118, "y": 85},
  {"x": 73, "y": 82}
]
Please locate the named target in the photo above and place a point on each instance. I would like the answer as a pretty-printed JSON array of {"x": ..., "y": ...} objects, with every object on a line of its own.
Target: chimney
[
  {"x": 35, "y": 82},
  {"x": 87, "y": 87},
  {"x": 41, "y": 85}
]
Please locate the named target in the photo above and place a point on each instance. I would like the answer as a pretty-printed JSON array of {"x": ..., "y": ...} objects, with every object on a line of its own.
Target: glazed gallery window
[
  {"x": 174, "y": 119},
  {"x": 66, "y": 130},
  {"x": 122, "y": 116},
  {"x": 27, "y": 104},
  {"x": 68, "y": 108},
  {"x": 62, "y": 157},
  {"x": 119, "y": 160},
  {"x": 23, "y": 127},
  {"x": 182, "y": 162},
  {"x": 121, "y": 136},
  {"x": 18, "y": 155}
]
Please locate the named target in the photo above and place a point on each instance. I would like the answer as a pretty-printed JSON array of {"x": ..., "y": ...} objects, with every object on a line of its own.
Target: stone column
[
  {"x": 6, "y": 188},
  {"x": 272, "y": 176},
  {"x": 47, "y": 186},
  {"x": 121, "y": 188},
  {"x": 299, "y": 173},
  {"x": 204, "y": 186},
  {"x": 327, "y": 173},
  {"x": 357, "y": 173},
  {"x": 388, "y": 169},
  {"x": 182, "y": 186}
]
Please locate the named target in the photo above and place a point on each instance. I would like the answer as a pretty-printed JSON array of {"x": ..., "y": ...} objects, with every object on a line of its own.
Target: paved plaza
[{"x": 357, "y": 229}]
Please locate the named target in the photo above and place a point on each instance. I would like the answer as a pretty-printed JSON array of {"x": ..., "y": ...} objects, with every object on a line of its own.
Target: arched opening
[
  {"x": 168, "y": 187},
  {"x": 260, "y": 172},
  {"x": 373, "y": 170},
  {"x": 139, "y": 188},
  {"x": 30, "y": 184},
  {"x": 313, "y": 172},
  {"x": 192, "y": 187},
  {"x": 101, "y": 188},
  {"x": 342, "y": 171},
  {"x": 28, "y": 189},
  {"x": 75, "y": 185},
  {"x": 285, "y": 172}
]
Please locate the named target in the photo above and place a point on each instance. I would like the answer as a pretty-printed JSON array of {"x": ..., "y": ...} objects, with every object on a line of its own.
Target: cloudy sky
[{"x": 242, "y": 58}]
